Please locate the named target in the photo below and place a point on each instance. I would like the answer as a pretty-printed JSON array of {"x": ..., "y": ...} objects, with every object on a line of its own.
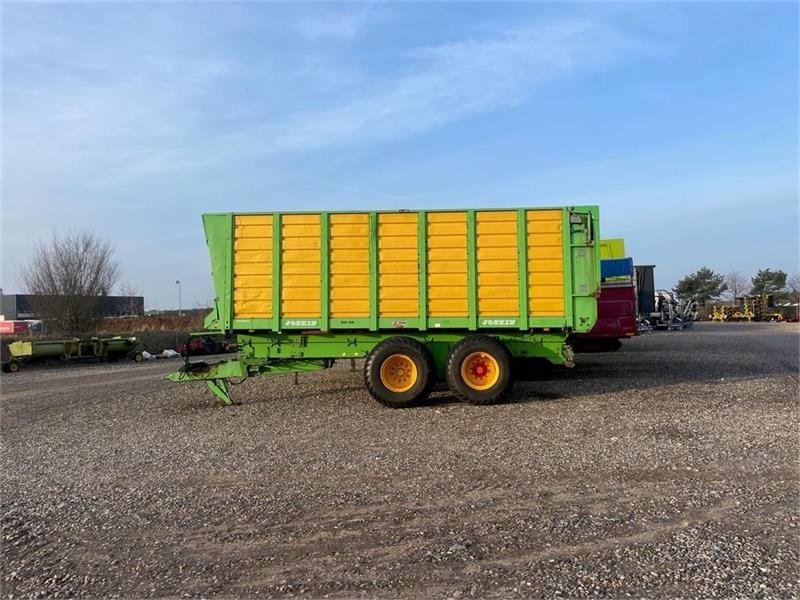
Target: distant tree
[
  {"x": 70, "y": 277},
  {"x": 768, "y": 281},
  {"x": 738, "y": 284},
  {"x": 701, "y": 285},
  {"x": 793, "y": 290},
  {"x": 793, "y": 287},
  {"x": 130, "y": 292}
]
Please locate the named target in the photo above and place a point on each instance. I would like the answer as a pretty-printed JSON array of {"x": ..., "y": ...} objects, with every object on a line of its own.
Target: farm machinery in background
[
  {"x": 616, "y": 307},
  {"x": 661, "y": 309},
  {"x": 671, "y": 313},
  {"x": 202, "y": 343},
  {"x": 74, "y": 350},
  {"x": 748, "y": 308},
  {"x": 629, "y": 304}
]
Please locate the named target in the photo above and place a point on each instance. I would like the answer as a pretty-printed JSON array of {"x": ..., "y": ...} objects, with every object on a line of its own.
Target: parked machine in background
[
  {"x": 630, "y": 304},
  {"x": 616, "y": 308},
  {"x": 199, "y": 344},
  {"x": 748, "y": 308},
  {"x": 671, "y": 313},
  {"x": 94, "y": 349}
]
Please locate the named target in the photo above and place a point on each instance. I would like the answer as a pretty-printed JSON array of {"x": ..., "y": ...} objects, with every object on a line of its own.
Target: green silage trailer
[{"x": 427, "y": 295}]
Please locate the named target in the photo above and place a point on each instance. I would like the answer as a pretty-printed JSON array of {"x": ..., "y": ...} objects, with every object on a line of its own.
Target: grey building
[{"x": 21, "y": 306}]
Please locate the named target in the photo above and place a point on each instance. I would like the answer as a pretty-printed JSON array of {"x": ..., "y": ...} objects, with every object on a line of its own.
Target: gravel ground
[{"x": 669, "y": 468}]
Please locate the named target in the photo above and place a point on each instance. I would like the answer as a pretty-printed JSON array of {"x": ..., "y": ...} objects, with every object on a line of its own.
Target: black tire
[
  {"x": 13, "y": 366},
  {"x": 493, "y": 348},
  {"x": 410, "y": 349}
]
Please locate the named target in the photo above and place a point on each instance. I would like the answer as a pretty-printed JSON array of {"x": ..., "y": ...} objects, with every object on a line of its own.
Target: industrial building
[{"x": 22, "y": 306}]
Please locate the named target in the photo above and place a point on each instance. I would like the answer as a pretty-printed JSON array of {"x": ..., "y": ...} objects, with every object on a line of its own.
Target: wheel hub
[
  {"x": 480, "y": 370},
  {"x": 398, "y": 373}
]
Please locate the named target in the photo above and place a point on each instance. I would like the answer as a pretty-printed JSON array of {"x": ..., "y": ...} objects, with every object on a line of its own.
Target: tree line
[{"x": 706, "y": 284}]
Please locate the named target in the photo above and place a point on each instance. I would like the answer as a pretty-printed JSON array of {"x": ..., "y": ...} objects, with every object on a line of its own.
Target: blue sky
[{"x": 679, "y": 120}]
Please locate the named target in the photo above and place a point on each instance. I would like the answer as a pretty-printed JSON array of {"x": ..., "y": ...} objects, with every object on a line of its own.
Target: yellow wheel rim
[
  {"x": 480, "y": 370},
  {"x": 398, "y": 373}
]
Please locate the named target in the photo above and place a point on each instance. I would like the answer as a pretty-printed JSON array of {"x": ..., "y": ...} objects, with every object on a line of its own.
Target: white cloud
[
  {"x": 110, "y": 118},
  {"x": 454, "y": 81}
]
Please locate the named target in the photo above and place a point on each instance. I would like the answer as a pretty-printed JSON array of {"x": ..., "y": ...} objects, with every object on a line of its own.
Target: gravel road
[{"x": 669, "y": 468}]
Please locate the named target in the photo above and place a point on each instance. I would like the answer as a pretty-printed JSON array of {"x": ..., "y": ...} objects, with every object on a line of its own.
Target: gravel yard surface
[{"x": 669, "y": 468}]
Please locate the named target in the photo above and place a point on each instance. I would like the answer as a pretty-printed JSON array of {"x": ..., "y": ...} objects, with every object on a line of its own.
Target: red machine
[
  {"x": 616, "y": 309},
  {"x": 12, "y": 327}
]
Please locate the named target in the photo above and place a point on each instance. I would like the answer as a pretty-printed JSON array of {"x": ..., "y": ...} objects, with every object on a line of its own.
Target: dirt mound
[{"x": 120, "y": 325}]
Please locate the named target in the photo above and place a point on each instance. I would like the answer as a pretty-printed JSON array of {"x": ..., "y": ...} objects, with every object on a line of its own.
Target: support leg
[{"x": 220, "y": 389}]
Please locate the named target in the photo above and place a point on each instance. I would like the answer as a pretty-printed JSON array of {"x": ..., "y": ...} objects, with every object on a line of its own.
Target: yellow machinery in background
[
  {"x": 612, "y": 249},
  {"x": 748, "y": 308}
]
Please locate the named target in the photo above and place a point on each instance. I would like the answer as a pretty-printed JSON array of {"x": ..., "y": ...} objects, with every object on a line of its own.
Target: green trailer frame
[{"x": 276, "y": 345}]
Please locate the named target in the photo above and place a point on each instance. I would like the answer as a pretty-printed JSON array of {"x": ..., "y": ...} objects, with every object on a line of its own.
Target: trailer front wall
[{"x": 472, "y": 269}]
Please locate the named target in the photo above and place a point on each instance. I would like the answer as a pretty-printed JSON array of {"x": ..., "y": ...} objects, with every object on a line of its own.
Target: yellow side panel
[
  {"x": 252, "y": 266},
  {"x": 447, "y": 264},
  {"x": 447, "y": 241},
  {"x": 402, "y": 218},
  {"x": 349, "y": 255},
  {"x": 451, "y": 292},
  {"x": 301, "y": 243},
  {"x": 550, "y": 307},
  {"x": 447, "y": 267},
  {"x": 358, "y": 282},
  {"x": 400, "y": 307},
  {"x": 254, "y": 221},
  {"x": 498, "y": 263},
  {"x": 445, "y": 280},
  {"x": 500, "y": 306},
  {"x": 254, "y": 243},
  {"x": 304, "y": 294},
  {"x": 300, "y": 266},
  {"x": 292, "y": 256},
  {"x": 506, "y": 253},
  {"x": 349, "y": 266},
  {"x": 351, "y": 239},
  {"x": 543, "y": 240},
  {"x": 351, "y": 308},
  {"x": 398, "y": 283},
  {"x": 545, "y": 263},
  {"x": 447, "y": 308},
  {"x": 247, "y": 282},
  {"x": 454, "y": 256},
  {"x": 306, "y": 308},
  {"x": 247, "y": 309},
  {"x": 255, "y": 257},
  {"x": 398, "y": 268}
]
